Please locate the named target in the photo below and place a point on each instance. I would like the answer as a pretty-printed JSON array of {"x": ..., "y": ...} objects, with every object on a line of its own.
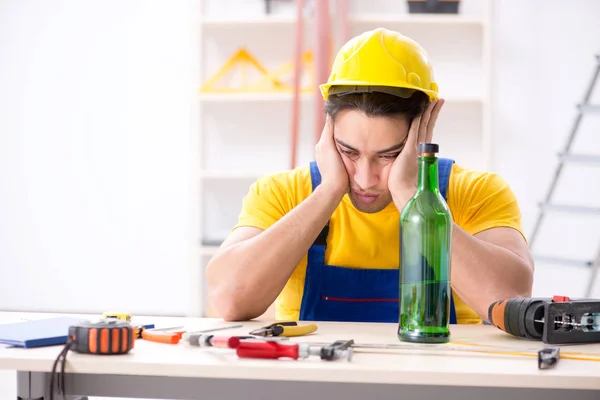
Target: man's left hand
[{"x": 402, "y": 180}]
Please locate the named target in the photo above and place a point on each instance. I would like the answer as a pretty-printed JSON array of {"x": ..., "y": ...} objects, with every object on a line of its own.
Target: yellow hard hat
[{"x": 381, "y": 60}]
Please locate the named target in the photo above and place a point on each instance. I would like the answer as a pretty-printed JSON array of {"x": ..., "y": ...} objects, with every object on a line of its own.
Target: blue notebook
[{"x": 38, "y": 333}]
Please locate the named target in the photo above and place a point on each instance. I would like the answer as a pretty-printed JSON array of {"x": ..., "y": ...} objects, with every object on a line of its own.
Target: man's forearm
[
  {"x": 246, "y": 277},
  {"x": 483, "y": 272}
]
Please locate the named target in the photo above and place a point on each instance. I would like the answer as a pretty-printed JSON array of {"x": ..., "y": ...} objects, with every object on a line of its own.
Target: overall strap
[
  {"x": 313, "y": 281},
  {"x": 315, "y": 175},
  {"x": 444, "y": 169}
]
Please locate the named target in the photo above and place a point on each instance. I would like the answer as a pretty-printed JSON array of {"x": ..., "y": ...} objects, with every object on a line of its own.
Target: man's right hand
[{"x": 333, "y": 172}]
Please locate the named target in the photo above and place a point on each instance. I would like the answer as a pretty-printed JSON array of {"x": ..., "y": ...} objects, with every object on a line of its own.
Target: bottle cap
[{"x": 428, "y": 148}]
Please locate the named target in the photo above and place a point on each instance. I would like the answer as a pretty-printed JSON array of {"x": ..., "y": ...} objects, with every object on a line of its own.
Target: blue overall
[{"x": 333, "y": 293}]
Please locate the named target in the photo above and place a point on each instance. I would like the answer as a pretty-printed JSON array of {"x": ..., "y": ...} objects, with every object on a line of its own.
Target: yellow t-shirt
[{"x": 477, "y": 201}]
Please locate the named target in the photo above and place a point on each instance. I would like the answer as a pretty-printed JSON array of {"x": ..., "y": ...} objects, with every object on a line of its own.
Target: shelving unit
[
  {"x": 405, "y": 19},
  {"x": 242, "y": 136}
]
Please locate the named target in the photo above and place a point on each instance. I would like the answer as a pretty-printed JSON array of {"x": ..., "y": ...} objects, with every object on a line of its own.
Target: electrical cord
[
  {"x": 101, "y": 337},
  {"x": 60, "y": 376}
]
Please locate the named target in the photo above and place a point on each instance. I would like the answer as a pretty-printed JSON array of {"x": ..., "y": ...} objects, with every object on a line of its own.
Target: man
[{"x": 323, "y": 240}]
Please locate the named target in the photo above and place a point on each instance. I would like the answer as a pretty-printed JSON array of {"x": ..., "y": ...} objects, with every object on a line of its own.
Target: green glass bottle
[{"x": 425, "y": 254}]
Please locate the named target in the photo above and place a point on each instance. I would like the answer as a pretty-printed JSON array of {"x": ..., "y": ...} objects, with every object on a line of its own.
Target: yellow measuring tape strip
[{"x": 491, "y": 349}]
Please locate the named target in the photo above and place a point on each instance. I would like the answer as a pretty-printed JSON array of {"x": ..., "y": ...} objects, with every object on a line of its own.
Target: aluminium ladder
[{"x": 566, "y": 157}]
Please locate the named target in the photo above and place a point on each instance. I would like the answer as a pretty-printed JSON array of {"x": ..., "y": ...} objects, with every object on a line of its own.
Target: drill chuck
[{"x": 519, "y": 316}]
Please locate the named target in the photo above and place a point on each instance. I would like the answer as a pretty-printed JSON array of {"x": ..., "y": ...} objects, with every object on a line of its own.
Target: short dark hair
[{"x": 376, "y": 104}]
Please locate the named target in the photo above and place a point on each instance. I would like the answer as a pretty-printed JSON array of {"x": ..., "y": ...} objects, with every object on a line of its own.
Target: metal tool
[
  {"x": 566, "y": 157},
  {"x": 193, "y": 338},
  {"x": 548, "y": 357},
  {"x": 230, "y": 342},
  {"x": 295, "y": 351},
  {"x": 442, "y": 347},
  {"x": 223, "y": 342},
  {"x": 338, "y": 349},
  {"x": 556, "y": 320},
  {"x": 288, "y": 329}
]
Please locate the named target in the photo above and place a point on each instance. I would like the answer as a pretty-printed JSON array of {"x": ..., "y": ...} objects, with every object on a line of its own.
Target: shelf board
[
  {"x": 237, "y": 97},
  {"x": 289, "y": 21},
  {"x": 417, "y": 19}
]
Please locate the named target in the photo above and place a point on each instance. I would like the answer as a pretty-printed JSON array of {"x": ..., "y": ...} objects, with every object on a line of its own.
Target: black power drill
[{"x": 556, "y": 320}]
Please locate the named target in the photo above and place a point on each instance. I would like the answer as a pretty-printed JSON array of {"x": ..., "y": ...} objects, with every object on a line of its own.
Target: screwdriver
[
  {"x": 223, "y": 342},
  {"x": 274, "y": 350},
  {"x": 198, "y": 338},
  {"x": 175, "y": 334},
  {"x": 163, "y": 335},
  {"x": 255, "y": 349}
]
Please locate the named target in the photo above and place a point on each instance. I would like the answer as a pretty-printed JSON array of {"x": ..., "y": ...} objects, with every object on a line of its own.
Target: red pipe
[
  {"x": 344, "y": 21},
  {"x": 297, "y": 76},
  {"x": 322, "y": 43}
]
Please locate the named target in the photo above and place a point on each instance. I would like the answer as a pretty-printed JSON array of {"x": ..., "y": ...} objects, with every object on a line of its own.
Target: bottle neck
[{"x": 428, "y": 173}]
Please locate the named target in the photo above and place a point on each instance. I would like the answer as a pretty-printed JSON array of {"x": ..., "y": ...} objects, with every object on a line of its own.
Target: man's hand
[
  {"x": 402, "y": 180},
  {"x": 332, "y": 169}
]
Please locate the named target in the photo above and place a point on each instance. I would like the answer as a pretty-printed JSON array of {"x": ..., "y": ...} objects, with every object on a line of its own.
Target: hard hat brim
[{"x": 404, "y": 91}]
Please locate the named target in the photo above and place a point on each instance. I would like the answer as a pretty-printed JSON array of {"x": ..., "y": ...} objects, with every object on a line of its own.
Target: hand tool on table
[
  {"x": 273, "y": 350},
  {"x": 108, "y": 336},
  {"x": 288, "y": 329},
  {"x": 223, "y": 342},
  {"x": 105, "y": 336},
  {"x": 229, "y": 341},
  {"x": 193, "y": 338},
  {"x": 175, "y": 334},
  {"x": 556, "y": 320},
  {"x": 546, "y": 357},
  {"x": 170, "y": 335},
  {"x": 126, "y": 316}
]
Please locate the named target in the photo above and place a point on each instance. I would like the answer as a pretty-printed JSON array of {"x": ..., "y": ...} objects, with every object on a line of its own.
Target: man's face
[{"x": 368, "y": 146}]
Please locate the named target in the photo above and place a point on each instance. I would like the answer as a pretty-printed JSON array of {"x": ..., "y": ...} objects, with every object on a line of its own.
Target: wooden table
[{"x": 155, "y": 370}]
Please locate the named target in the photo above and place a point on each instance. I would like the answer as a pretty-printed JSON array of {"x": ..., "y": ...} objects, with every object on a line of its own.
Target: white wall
[
  {"x": 96, "y": 112},
  {"x": 543, "y": 56}
]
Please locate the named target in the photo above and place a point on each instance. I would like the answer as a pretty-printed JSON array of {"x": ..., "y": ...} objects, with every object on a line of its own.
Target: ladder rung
[
  {"x": 582, "y": 158},
  {"x": 589, "y": 108},
  {"x": 571, "y": 209},
  {"x": 563, "y": 261}
]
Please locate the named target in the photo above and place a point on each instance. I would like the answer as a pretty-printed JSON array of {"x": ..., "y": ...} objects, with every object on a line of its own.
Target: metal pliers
[{"x": 285, "y": 329}]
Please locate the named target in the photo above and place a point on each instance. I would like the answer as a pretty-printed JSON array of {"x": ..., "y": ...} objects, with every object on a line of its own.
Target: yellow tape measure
[{"x": 123, "y": 316}]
